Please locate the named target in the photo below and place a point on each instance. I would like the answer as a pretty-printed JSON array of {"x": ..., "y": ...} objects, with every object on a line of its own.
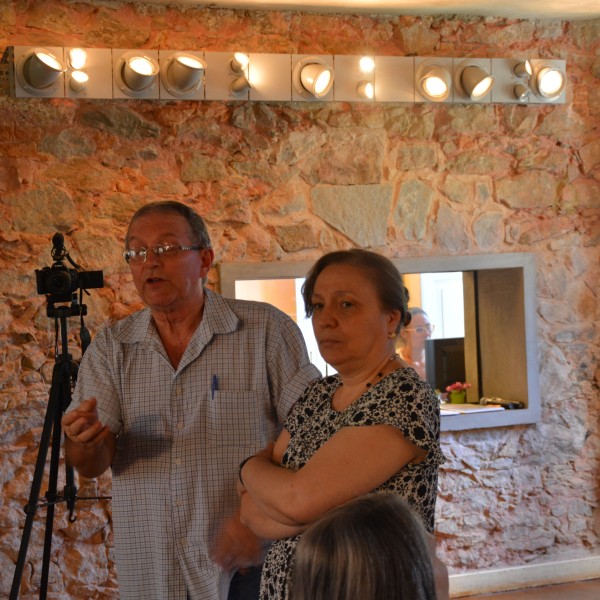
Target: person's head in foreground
[{"x": 372, "y": 548}]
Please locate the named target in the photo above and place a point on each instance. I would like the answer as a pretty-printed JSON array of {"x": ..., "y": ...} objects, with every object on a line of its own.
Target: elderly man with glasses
[{"x": 172, "y": 398}]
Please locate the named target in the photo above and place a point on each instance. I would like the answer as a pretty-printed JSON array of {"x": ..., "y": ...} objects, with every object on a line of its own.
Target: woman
[
  {"x": 371, "y": 548},
  {"x": 373, "y": 426},
  {"x": 411, "y": 341}
]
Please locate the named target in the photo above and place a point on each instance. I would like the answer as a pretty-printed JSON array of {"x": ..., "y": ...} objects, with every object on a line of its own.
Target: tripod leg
[
  {"x": 52, "y": 487},
  {"x": 34, "y": 494}
]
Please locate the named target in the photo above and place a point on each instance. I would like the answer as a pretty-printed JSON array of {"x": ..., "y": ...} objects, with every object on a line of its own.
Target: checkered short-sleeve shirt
[{"x": 183, "y": 432}]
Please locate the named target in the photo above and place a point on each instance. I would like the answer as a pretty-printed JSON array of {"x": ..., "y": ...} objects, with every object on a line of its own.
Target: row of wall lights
[{"x": 167, "y": 75}]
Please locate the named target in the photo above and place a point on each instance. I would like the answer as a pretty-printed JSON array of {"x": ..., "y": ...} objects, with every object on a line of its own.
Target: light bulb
[
  {"x": 550, "y": 82},
  {"x": 77, "y": 58},
  {"x": 78, "y": 81},
  {"x": 239, "y": 62},
  {"x": 366, "y": 65},
  {"x": 366, "y": 89},
  {"x": 141, "y": 65}
]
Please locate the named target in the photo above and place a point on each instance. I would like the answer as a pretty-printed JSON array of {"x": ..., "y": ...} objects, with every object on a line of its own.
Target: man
[{"x": 172, "y": 398}]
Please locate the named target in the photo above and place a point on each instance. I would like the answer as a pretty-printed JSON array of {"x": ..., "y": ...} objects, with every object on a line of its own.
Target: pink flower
[{"x": 458, "y": 387}]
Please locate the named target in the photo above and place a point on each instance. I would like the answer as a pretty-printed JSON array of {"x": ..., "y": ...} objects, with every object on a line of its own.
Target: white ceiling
[{"x": 526, "y": 9}]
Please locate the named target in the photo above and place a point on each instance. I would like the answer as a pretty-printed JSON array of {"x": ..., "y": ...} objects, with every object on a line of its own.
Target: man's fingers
[{"x": 93, "y": 435}]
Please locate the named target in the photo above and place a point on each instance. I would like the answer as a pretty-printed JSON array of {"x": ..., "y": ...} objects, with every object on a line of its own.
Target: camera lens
[{"x": 58, "y": 282}]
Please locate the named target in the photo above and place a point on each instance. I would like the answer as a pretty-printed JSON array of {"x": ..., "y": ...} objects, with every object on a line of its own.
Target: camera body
[{"x": 59, "y": 282}]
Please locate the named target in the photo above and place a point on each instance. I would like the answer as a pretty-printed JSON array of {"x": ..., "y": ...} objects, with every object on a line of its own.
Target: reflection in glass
[{"x": 439, "y": 294}]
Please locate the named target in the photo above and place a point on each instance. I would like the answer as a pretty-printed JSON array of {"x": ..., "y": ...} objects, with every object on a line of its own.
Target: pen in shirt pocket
[{"x": 214, "y": 386}]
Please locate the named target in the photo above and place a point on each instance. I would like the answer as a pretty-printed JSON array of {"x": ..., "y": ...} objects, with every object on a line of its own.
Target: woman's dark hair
[
  {"x": 386, "y": 279},
  {"x": 371, "y": 548},
  {"x": 197, "y": 225}
]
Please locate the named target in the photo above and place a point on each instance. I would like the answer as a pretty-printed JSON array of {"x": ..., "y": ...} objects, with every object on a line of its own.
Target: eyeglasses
[
  {"x": 137, "y": 256},
  {"x": 422, "y": 329}
]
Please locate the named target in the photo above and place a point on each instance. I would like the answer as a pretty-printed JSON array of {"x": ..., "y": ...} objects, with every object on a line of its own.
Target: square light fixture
[
  {"x": 39, "y": 72},
  {"x": 433, "y": 79},
  {"x": 473, "y": 80},
  {"x": 354, "y": 78},
  {"x": 181, "y": 75},
  {"x": 512, "y": 80},
  {"x": 312, "y": 77},
  {"x": 135, "y": 74},
  {"x": 97, "y": 67},
  {"x": 548, "y": 80}
]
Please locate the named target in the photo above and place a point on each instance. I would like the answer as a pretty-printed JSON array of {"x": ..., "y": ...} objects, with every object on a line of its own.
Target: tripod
[{"x": 64, "y": 376}]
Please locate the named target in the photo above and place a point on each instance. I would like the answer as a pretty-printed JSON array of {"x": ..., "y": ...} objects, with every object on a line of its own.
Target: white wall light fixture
[
  {"x": 171, "y": 75},
  {"x": 181, "y": 75},
  {"x": 511, "y": 81},
  {"x": 548, "y": 80},
  {"x": 77, "y": 77},
  {"x": 433, "y": 79},
  {"x": 312, "y": 77},
  {"x": 354, "y": 78},
  {"x": 522, "y": 70},
  {"x": 473, "y": 80},
  {"x": 135, "y": 73},
  {"x": 365, "y": 88},
  {"x": 39, "y": 72},
  {"x": 240, "y": 66},
  {"x": 98, "y": 69}
]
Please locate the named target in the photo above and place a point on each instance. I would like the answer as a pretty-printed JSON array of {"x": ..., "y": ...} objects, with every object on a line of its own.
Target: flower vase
[{"x": 457, "y": 397}]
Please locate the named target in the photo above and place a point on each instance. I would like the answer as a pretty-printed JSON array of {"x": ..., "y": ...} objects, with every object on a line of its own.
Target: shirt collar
[{"x": 218, "y": 319}]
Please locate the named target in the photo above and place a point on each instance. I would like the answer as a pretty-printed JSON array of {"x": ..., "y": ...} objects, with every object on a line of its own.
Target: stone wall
[{"x": 287, "y": 182}]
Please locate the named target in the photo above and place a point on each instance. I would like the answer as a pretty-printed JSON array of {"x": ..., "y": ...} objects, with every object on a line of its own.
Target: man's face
[{"x": 168, "y": 283}]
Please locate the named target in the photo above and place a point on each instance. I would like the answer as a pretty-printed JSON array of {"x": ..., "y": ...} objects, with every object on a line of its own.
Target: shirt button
[
  {"x": 178, "y": 462},
  {"x": 180, "y": 426}
]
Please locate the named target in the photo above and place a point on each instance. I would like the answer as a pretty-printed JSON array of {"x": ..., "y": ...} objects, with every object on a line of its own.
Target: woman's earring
[{"x": 391, "y": 335}]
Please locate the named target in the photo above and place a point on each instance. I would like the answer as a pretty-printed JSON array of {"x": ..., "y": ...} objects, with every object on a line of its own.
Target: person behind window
[
  {"x": 373, "y": 426},
  {"x": 171, "y": 398},
  {"x": 411, "y": 340},
  {"x": 372, "y": 548}
]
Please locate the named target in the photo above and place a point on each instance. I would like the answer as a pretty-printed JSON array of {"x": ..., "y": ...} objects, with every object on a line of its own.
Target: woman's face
[
  {"x": 351, "y": 327},
  {"x": 418, "y": 331}
]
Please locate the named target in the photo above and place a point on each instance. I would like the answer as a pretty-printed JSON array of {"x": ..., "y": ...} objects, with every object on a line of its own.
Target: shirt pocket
[{"x": 235, "y": 418}]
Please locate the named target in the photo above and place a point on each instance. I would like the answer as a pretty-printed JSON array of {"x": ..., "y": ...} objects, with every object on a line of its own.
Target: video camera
[{"x": 58, "y": 282}]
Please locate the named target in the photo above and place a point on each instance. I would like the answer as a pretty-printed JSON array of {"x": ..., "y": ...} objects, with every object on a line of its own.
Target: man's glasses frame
[{"x": 138, "y": 256}]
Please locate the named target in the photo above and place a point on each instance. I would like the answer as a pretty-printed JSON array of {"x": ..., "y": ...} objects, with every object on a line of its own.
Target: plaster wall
[{"x": 287, "y": 182}]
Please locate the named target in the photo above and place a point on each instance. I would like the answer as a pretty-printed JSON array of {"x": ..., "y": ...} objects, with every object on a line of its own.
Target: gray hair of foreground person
[{"x": 370, "y": 548}]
